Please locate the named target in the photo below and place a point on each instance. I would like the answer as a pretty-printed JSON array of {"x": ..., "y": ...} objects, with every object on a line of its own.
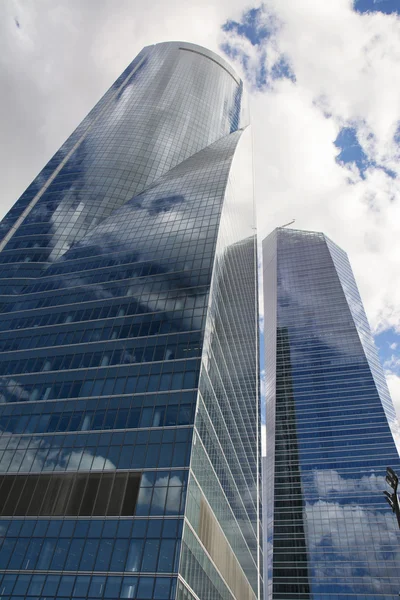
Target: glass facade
[
  {"x": 129, "y": 445},
  {"x": 329, "y": 533}
]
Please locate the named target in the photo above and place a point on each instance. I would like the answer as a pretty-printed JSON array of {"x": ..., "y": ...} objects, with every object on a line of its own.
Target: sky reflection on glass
[
  {"x": 329, "y": 417},
  {"x": 121, "y": 268}
]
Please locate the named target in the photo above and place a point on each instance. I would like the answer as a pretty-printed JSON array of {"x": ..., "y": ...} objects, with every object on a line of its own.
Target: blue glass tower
[
  {"x": 129, "y": 463},
  {"x": 329, "y": 533}
]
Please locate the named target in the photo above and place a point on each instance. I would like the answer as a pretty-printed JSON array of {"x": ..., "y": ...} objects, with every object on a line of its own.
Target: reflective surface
[
  {"x": 224, "y": 483},
  {"x": 330, "y": 533},
  {"x": 106, "y": 268}
]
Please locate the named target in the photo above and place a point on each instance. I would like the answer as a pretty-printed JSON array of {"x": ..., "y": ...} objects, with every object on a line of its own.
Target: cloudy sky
[{"x": 325, "y": 101}]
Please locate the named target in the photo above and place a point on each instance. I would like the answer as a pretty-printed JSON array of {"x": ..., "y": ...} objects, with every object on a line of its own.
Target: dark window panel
[{"x": 82, "y": 494}]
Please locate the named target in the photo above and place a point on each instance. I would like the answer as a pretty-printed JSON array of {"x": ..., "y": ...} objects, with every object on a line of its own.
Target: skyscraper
[
  {"x": 329, "y": 418},
  {"x": 128, "y": 337}
]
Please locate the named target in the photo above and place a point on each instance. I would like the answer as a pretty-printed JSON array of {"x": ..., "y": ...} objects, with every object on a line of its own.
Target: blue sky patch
[
  {"x": 282, "y": 70},
  {"x": 388, "y": 345},
  {"x": 257, "y": 26},
  {"x": 350, "y": 149},
  {"x": 397, "y": 134},
  {"x": 249, "y": 27},
  {"x": 352, "y": 152},
  {"x": 257, "y": 73},
  {"x": 387, "y": 7}
]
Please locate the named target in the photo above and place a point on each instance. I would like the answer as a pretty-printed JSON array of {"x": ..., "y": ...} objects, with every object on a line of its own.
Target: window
[{"x": 81, "y": 494}]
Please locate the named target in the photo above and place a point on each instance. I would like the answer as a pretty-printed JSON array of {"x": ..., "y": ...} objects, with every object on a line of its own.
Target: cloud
[
  {"x": 161, "y": 497},
  {"x": 329, "y": 481},
  {"x": 344, "y": 532},
  {"x": 392, "y": 363},
  {"x": 329, "y": 69},
  {"x": 36, "y": 454},
  {"x": 327, "y": 135},
  {"x": 252, "y": 43},
  {"x": 392, "y": 373},
  {"x": 393, "y": 382},
  {"x": 338, "y": 526},
  {"x": 346, "y": 79},
  {"x": 66, "y": 55},
  {"x": 343, "y": 74},
  {"x": 315, "y": 70}
]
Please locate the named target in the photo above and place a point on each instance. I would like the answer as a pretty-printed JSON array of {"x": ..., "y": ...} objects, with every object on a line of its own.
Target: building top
[{"x": 188, "y": 47}]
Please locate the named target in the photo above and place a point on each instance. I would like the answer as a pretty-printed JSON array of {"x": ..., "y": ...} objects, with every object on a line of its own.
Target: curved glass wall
[
  {"x": 106, "y": 268},
  {"x": 224, "y": 486}
]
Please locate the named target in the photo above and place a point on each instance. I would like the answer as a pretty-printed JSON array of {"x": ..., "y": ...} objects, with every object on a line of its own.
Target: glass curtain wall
[
  {"x": 330, "y": 534},
  {"x": 106, "y": 269}
]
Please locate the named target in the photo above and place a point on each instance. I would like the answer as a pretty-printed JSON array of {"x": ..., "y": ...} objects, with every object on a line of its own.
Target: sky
[{"x": 324, "y": 88}]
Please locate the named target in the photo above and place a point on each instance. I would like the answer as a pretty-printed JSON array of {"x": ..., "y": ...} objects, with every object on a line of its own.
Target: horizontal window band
[{"x": 69, "y": 494}]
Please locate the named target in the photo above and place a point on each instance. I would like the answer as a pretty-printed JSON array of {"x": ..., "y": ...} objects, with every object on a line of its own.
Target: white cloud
[
  {"x": 346, "y": 66},
  {"x": 263, "y": 440},
  {"x": 66, "y": 54},
  {"x": 346, "y": 69},
  {"x": 393, "y": 382},
  {"x": 393, "y": 346},
  {"x": 346, "y": 531},
  {"x": 329, "y": 481},
  {"x": 63, "y": 58},
  {"x": 339, "y": 521},
  {"x": 35, "y": 454},
  {"x": 392, "y": 363}
]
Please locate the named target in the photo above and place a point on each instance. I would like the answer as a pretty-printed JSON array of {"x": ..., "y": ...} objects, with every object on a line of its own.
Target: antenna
[{"x": 286, "y": 224}]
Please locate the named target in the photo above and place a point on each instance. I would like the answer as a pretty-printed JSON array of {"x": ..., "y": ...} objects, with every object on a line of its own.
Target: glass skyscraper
[
  {"x": 129, "y": 415},
  {"x": 330, "y": 534}
]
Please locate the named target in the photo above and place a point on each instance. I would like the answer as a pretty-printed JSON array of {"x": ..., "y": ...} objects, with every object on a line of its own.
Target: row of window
[
  {"x": 49, "y": 458},
  {"x": 39, "y": 250},
  {"x": 104, "y": 385},
  {"x": 91, "y": 440},
  {"x": 360, "y": 438},
  {"x": 65, "y": 587},
  {"x": 125, "y": 418},
  {"x": 43, "y": 221},
  {"x": 363, "y": 461},
  {"x": 187, "y": 213},
  {"x": 120, "y": 184},
  {"x": 202, "y": 213},
  {"x": 127, "y": 307},
  {"x": 40, "y": 222},
  {"x": 336, "y": 417},
  {"x": 78, "y": 494},
  {"x": 49, "y": 247},
  {"x": 338, "y": 383},
  {"x": 116, "y": 261},
  {"x": 44, "y": 243},
  {"x": 314, "y": 366},
  {"x": 334, "y": 429},
  {"x": 111, "y": 275},
  {"x": 134, "y": 555},
  {"x": 195, "y": 298},
  {"x": 119, "y": 402},
  {"x": 153, "y": 349},
  {"x": 121, "y": 528},
  {"x": 198, "y": 277},
  {"x": 154, "y": 324}
]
